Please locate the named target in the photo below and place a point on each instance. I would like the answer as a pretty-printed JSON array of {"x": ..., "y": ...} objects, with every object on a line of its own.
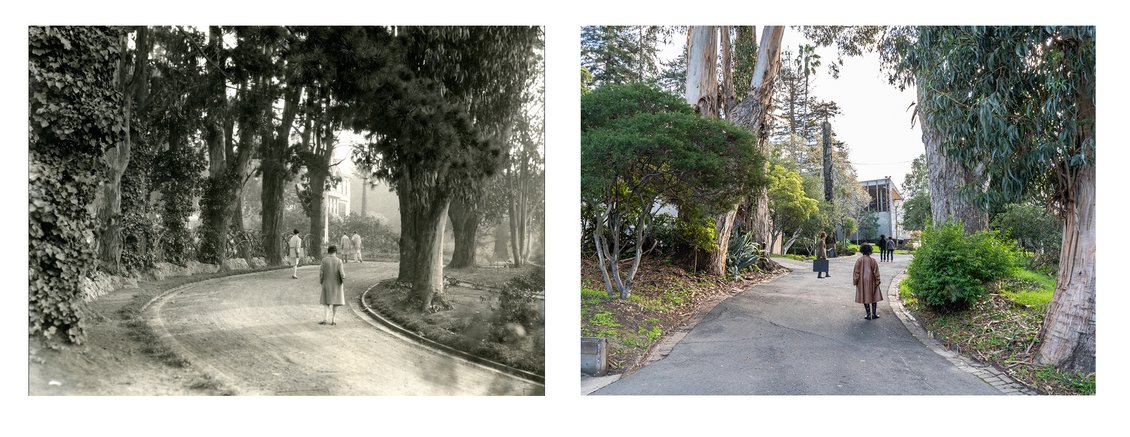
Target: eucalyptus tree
[{"x": 1020, "y": 101}]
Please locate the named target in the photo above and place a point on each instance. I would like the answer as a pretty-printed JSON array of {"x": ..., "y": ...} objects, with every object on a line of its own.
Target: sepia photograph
[
  {"x": 286, "y": 210},
  {"x": 945, "y": 174}
]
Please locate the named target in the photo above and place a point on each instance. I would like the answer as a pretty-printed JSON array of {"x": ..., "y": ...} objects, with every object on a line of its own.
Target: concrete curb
[
  {"x": 991, "y": 375},
  {"x": 376, "y": 319}
]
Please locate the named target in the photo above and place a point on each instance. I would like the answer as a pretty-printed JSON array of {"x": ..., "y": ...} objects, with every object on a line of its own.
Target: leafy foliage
[
  {"x": 950, "y": 268},
  {"x": 74, "y": 115},
  {"x": 641, "y": 146},
  {"x": 376, "y": 235},
  {"x": 1032, "y": 227},
  {"x": 744, "y": 253},
  {"x": 622, "y": 54}
]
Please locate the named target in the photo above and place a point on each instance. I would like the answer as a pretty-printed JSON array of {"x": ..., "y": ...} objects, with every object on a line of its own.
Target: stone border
[
  {"x": 380, "y": 322},
  {"x": 991, "y": 375}
]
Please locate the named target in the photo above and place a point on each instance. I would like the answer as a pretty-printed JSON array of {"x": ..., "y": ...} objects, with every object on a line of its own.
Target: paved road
[
  {"x": 259, "y": 333},
  {"x": 799, "y": 335}
]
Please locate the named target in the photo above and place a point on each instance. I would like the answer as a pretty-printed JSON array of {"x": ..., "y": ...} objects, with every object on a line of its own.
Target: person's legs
[
  {"x": 874, "y": 310},
  {"x": 295, "y": 262},
  {"x": 325, "y": 314},
  {"x": 867, "y": 308},
  {"x": 333, "y": 315}
]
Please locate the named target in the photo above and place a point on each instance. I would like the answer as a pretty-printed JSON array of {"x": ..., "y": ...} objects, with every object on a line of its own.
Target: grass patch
[{"x": 1002, "y": 328}]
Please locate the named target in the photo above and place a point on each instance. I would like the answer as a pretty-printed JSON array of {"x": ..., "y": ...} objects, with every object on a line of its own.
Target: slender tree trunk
[
  {"x": 828, "y": 188},
  {"x": 728, "y": 99},
  {"x": 464, "y": 226},
  {"x": 946, "y": 177},
  {"x": 317, "y": 213},
  {"x": 408, "y": 231}
]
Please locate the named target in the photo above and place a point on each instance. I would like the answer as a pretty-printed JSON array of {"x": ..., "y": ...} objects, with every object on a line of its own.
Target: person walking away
[
  {"x": 865, "y": 277},
  {"x": 357, "y": 247},
  {"x": 344, "y": 246},
  {"x": 332, "y": 278},
  {"x": 891, "y": 249},
  {"x": 882, "y": 247},
  {"x": 822, "y": 254},
  {"x": 294, "y": 245}
]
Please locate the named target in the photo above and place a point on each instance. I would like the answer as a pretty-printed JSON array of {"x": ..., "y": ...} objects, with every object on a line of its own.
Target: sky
[{"x": 875, "y": 123}]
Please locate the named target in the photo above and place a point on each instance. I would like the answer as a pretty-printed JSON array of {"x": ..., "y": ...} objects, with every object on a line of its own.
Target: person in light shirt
[{"x": 295, "y": 245}]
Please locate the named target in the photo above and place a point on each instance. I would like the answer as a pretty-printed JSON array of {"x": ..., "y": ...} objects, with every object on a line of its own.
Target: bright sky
[{"x": 875, "y": 123}]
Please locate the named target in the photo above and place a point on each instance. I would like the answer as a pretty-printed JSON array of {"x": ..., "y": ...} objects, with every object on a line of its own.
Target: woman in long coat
[
  {"x": 822, "y": 253},
  {"x": 332, "y": 278},
  {"x": 866, "y": 280}
]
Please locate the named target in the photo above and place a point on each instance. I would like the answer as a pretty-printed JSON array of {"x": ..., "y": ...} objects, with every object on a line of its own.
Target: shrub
[
  {"x": 950, "y": 268},
  {"x": 743, "y": 254}
]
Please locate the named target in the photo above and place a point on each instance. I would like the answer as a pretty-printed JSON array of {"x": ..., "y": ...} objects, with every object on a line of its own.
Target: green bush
[{"x": 950, "y": 268}]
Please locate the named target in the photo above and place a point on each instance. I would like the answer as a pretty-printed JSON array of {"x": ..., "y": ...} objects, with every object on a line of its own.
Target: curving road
[
  {"x": 259, "y": 335},
  {"x": 799, "y": 335}
]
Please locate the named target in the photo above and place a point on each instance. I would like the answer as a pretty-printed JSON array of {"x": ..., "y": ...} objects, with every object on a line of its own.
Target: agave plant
[{"x": 743, "y": 254}]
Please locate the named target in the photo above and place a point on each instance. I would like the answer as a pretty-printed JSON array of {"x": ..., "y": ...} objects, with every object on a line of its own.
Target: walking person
[
  {"x": 891, "y": 249},
  {"x": 821, "y": 263},
  {"x": 831, "y": 241},
  {"x": 344, "y": 246},
  {"x": 357, "y": 247},
  {"x": 882, "y": 247},
  {"x": 295, "y": 246},
  {"x": 865, "y": 277},
  {"x": 332, "y": 278}
]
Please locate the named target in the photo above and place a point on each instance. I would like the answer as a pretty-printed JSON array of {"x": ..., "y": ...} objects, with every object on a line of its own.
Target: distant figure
[
  {"x": 344, "y": 246},
  {"x": 882, "y": 247},
  {"x": 357, "y": 247},
  {"x": 831, "y": 241},
  {"x": 332, "y": 278},
  {"x": 866, "y": 281},
  {"x": 891, "y": 249},
  {"x": 822, "y": 254},
  {"x": 295, "y": 245}
]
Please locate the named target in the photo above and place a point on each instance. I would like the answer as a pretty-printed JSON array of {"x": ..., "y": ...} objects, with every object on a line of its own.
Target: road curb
[
  {"x": 986, "y": 372},
  {"x": 375, "y": 318}
]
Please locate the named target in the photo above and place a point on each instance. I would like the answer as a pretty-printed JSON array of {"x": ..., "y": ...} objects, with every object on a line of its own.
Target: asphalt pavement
[{"x": 799, "y": 335}]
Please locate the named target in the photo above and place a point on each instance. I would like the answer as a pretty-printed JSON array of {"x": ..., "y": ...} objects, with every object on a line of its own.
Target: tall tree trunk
[
  {"x": 464, "y": 225},
  {"x": 828, "y": 189},
  {"x": 429, "y": 219},
  {"x": 728, "y": 100},
  {"x": 753, "y": 112},
  {"x": 947, "y": 176},
  {"x": 702, "y": 93},
  {"x": 273, "y": 164},
  {"x": 1067, "y": 338},
  {"x": 317, "y": 213},
  {"x": 409, "y": 229},
  {"x": 108, "y": 197}
]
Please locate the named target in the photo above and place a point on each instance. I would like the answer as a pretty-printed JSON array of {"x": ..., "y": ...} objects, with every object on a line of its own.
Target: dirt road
[{"x": 258, "y": 334}]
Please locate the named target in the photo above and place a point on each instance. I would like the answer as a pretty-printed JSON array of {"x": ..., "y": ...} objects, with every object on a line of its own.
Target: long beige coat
[
  {"x": 344, "y": 243},
  {"x": 821, "y": 249},
  {"x": 866, "y": 280},
  {"x": 332, "y": 278}
]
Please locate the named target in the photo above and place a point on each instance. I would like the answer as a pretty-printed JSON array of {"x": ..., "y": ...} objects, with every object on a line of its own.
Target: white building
[
  {"x": 885, "y": 203},
  {"x": 336, "y": 202}
]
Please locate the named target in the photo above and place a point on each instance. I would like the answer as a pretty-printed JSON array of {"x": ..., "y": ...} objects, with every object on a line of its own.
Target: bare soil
[{"x": 121, "y": 355}]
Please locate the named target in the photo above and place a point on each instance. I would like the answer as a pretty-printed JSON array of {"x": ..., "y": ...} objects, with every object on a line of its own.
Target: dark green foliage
[
  {"x": 74, "y": 116},
  {"x": 1033, "y": 228},
  {"x": 950, "y": 268},
  {"x": 622, "y": 54},
  {"x": 916, "y": 212},
  {"x": 869, "y": 226},
  {"x": 180, "y": 183}
]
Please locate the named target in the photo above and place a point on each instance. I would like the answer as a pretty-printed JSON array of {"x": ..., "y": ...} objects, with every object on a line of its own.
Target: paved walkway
[
  {"x": 800, "y": 335},
  {"x": 259, "y": 334}
]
